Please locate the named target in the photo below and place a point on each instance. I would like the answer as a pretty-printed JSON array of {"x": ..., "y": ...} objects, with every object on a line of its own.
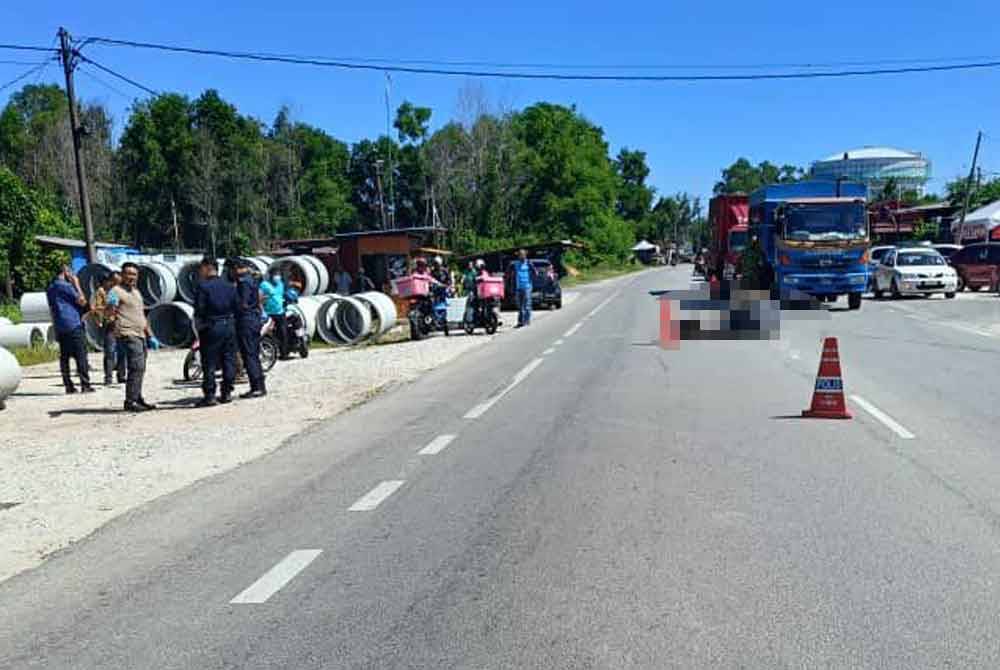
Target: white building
[{"x": 875, "y": 166}]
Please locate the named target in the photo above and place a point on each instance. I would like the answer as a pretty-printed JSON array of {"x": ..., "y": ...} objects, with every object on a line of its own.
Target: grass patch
[
  {"x": 35, "y": 355},
  {"x": 10, "y": 311},
  {"x": 599, "y": 273}
]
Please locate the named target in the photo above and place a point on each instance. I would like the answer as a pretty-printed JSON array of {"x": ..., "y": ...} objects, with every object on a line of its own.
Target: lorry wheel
[{"x": 854, "y": 301}]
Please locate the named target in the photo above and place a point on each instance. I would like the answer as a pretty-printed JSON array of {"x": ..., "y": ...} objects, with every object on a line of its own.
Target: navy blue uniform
[
  {"x": 215, "y": 309},
  {"x": 248, "y": 323}
]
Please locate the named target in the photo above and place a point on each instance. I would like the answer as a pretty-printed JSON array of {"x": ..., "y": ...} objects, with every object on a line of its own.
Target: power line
[
  {"x": 22, "y": 47},
  {"x": 18, "y": 62},
  {"x": 94, "y": 77},
  {"x": 239, "y": 55},
  {"x": 24, "y": 75},
  {"x": 117, "y": 75}
]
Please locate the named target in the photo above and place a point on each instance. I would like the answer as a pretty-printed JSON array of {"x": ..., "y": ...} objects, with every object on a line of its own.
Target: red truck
[{"x": 728, "y": 218}]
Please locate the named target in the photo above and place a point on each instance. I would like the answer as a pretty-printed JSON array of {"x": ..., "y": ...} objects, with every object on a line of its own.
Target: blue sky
[{"x": 689, "y": 130}]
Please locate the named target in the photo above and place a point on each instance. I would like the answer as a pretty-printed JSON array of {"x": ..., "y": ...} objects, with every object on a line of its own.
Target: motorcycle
[
  {"x": 268, "y": 353},
  {"x": 298, "y": 339},
  {"x": 483, "y": 315},
  {"x": 429, "y": 313}
]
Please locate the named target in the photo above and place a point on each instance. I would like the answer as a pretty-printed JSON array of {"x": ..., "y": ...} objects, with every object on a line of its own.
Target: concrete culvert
[
  {"x": 92, "y": 331},
  {"x": 35, "y": 308},
  {"x": 26, "y": 335},
  {"x": 187, "y": 280},
  {"x": 92, "y": 274},
  {"x": 321, "y": 272},
  {"x": 157, "y": 282},
  {"x": 383, "y": 311},
  {"x": 10, "y": 375},
  {"x": 297, "y": 268},
  {"x": 352, "y": 320},
  {"x": 172, "y": 324}
]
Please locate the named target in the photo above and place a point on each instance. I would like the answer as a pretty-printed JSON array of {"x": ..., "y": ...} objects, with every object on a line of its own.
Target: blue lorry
[{"x": 815, "y": 237}]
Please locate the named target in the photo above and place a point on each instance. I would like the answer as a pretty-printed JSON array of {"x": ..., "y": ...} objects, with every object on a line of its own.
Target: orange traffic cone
[{"x": 828, "y": 397}]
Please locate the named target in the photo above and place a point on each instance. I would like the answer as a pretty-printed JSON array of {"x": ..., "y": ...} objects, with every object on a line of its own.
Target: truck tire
[{"x": 854, "y": 301}]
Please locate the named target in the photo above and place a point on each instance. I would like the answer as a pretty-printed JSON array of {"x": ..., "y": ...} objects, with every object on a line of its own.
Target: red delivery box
[
  {"x": 490, "y": 287},
  {"x": 411, "y": 287}
]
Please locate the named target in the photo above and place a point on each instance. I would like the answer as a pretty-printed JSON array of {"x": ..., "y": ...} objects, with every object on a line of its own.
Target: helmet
[
  {"x": 438, "y": 260},
  {"x": 480, "y": 263}
]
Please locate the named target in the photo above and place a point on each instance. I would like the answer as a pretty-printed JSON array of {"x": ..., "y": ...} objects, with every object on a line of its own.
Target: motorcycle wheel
[
  {"x": 416, "y": 328},
  {"x": 192, "y": 367},
  {"x": 444, "y": 327},
  {"x": 491, "y": 324},
  {"x": 304, "y": 347},
  {"x": 470, "y": 326},
  {"x": 268, "y": 353}
]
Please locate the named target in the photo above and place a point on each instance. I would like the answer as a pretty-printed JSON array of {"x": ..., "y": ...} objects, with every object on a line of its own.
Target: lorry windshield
[
  {"x": 738, "y": 240},
  {"x": 821, "y": 222}
]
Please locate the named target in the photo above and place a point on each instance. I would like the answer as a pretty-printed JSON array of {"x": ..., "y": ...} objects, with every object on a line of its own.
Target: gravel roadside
[{"x": 72, "y": 463}]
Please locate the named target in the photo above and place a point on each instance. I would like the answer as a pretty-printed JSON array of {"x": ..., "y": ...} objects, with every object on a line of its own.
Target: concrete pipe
[
  {"x": 35, "y": 308},
  {"x": 352, "y": 320},
  {"x": 383, "y": 311},
  {"x": 157, "y": 282},
  {"x": 259, "y": 263},
  {"x": 10, "y": 375},
  {"x": 324, "y": 320},
  {"x": 93, "y": 274},
  {"x": 187, "y": 280},
  {"x": 172, "y": 323},
  {"x": 26, "y": 335},
  {"x": 322, "y": 272},
  {"x": 308, "y": 308},
  {"x": 297, "y": 268}
]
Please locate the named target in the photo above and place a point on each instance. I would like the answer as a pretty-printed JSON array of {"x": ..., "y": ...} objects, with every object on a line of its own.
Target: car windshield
[
  {"x": 919, "y": 258},
  {"x": 879, "y": 254},
  {"x": 738, "y": 240},
  {"x": 825, "y": 222}
]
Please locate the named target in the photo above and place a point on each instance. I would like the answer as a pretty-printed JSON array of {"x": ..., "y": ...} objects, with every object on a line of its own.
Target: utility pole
[
  {"x": 388, "y": 137},
  {"x": 378, "y": 183},
  {"x": 968, "y": 183},
  {"x": 69, "y": 64}
]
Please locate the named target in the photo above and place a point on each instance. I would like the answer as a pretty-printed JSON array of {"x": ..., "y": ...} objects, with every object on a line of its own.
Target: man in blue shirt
[
  {"x": 273, "y": 290},
  {"x": 65, "y": 298},
  {"x": 524, "y": 273},
  {"x": 248, "y": 329}
]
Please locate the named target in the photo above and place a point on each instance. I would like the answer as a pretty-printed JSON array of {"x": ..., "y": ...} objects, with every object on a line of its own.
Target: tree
[
  {"x": 984, "y": 195},
  {"x": 635, "y": 198},
  {"x": 412, "y": 122},
  {"x": 744, "y": 177}
]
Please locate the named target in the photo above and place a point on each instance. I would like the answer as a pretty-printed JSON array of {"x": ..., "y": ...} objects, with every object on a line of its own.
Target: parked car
[
  {"x": 914, "y": 271},
  {"x": 947, "y": 250},
  {"x": 977, "y": 266},
  {"x": 545, "y": 288},
  {"x": 875, "y": 256}
]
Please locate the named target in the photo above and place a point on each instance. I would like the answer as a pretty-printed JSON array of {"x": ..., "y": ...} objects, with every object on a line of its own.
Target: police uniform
[
  {"x": 248, "y": 321},
  {"x": 215, "y": 309}
]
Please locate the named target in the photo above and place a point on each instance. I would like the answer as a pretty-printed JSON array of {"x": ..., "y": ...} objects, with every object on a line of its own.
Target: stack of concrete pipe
[
  {"x": 10, "y": 375},
  {"x": 306, "y": 270},
  {"x": 35, "y": 329},
  {"x": 350, "y": 320}
]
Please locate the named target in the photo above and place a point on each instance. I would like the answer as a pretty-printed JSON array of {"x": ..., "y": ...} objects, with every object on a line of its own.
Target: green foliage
[
  {"x": 26, "y": 214},
  {"x": 745, "y": 177},
  {"x": 983, "y": 195},
  {"x": 10, "y": 310},
  {"x": 925, "y": 230},
  {"x": 412, "y": 122},
  {"x": 635, "y": 198},
  {"x": 27, "y": 356}
]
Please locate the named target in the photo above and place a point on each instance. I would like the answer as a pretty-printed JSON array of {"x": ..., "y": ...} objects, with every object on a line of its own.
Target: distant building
[{"x": 875, "y": 166}]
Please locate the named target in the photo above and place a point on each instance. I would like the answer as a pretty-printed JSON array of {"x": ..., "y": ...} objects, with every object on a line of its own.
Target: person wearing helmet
[{"x": 440, "y": 272}]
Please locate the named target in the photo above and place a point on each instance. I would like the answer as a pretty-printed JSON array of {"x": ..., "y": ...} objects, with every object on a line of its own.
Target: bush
[
  {"x": 35, "y": 355},
  {"x": 10, "y": 311}
]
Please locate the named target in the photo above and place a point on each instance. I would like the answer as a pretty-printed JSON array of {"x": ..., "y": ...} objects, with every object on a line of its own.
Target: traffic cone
[
  {"x": 669, "y": 329},
  {"x": 828, "y": 396}
]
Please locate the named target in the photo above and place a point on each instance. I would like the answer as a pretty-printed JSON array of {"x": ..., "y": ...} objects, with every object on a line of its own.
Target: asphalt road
[{"x": 574, "y": 496}]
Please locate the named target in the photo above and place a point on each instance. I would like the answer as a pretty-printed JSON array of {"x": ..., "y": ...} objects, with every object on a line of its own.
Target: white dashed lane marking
[
  {"x": 484, "y": 407},
  {"x": 548, "y": 351},
  {"x": 569, "y": 333},
  {"x": 884, "y": 418},
  {"x": 376, "y": 496},
  {"x": 275, "y": 578},
  {"x": 436, "y": 445}
]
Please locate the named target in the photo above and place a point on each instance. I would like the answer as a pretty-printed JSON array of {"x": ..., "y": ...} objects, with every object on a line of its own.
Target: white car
[{"x": 914, "y": 271}]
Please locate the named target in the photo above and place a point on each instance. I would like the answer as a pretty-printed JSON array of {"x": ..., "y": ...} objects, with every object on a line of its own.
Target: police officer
[
  {"x": 215, "y": 309},
  {"x": 248, "y": 321}
]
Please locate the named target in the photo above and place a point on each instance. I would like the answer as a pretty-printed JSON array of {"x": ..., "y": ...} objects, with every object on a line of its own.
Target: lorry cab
[
  {"x": 815, "y": 236},
  {"x": 728, "y": 219}
]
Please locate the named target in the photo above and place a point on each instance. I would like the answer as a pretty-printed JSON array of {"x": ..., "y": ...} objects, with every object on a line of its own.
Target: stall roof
[{"x": 67, "y": 243}]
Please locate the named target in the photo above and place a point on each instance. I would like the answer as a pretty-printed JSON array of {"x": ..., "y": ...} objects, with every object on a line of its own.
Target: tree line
[{"x": 195, "y": 173}]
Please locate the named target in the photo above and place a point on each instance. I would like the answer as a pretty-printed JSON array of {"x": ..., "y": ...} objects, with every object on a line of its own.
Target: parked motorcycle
[
  {"x": 483, "y": 314},
  {"x": 298, "y": 339},
  {"x": 268, "y": 353},
  {"x": 429, "y": 313}
]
